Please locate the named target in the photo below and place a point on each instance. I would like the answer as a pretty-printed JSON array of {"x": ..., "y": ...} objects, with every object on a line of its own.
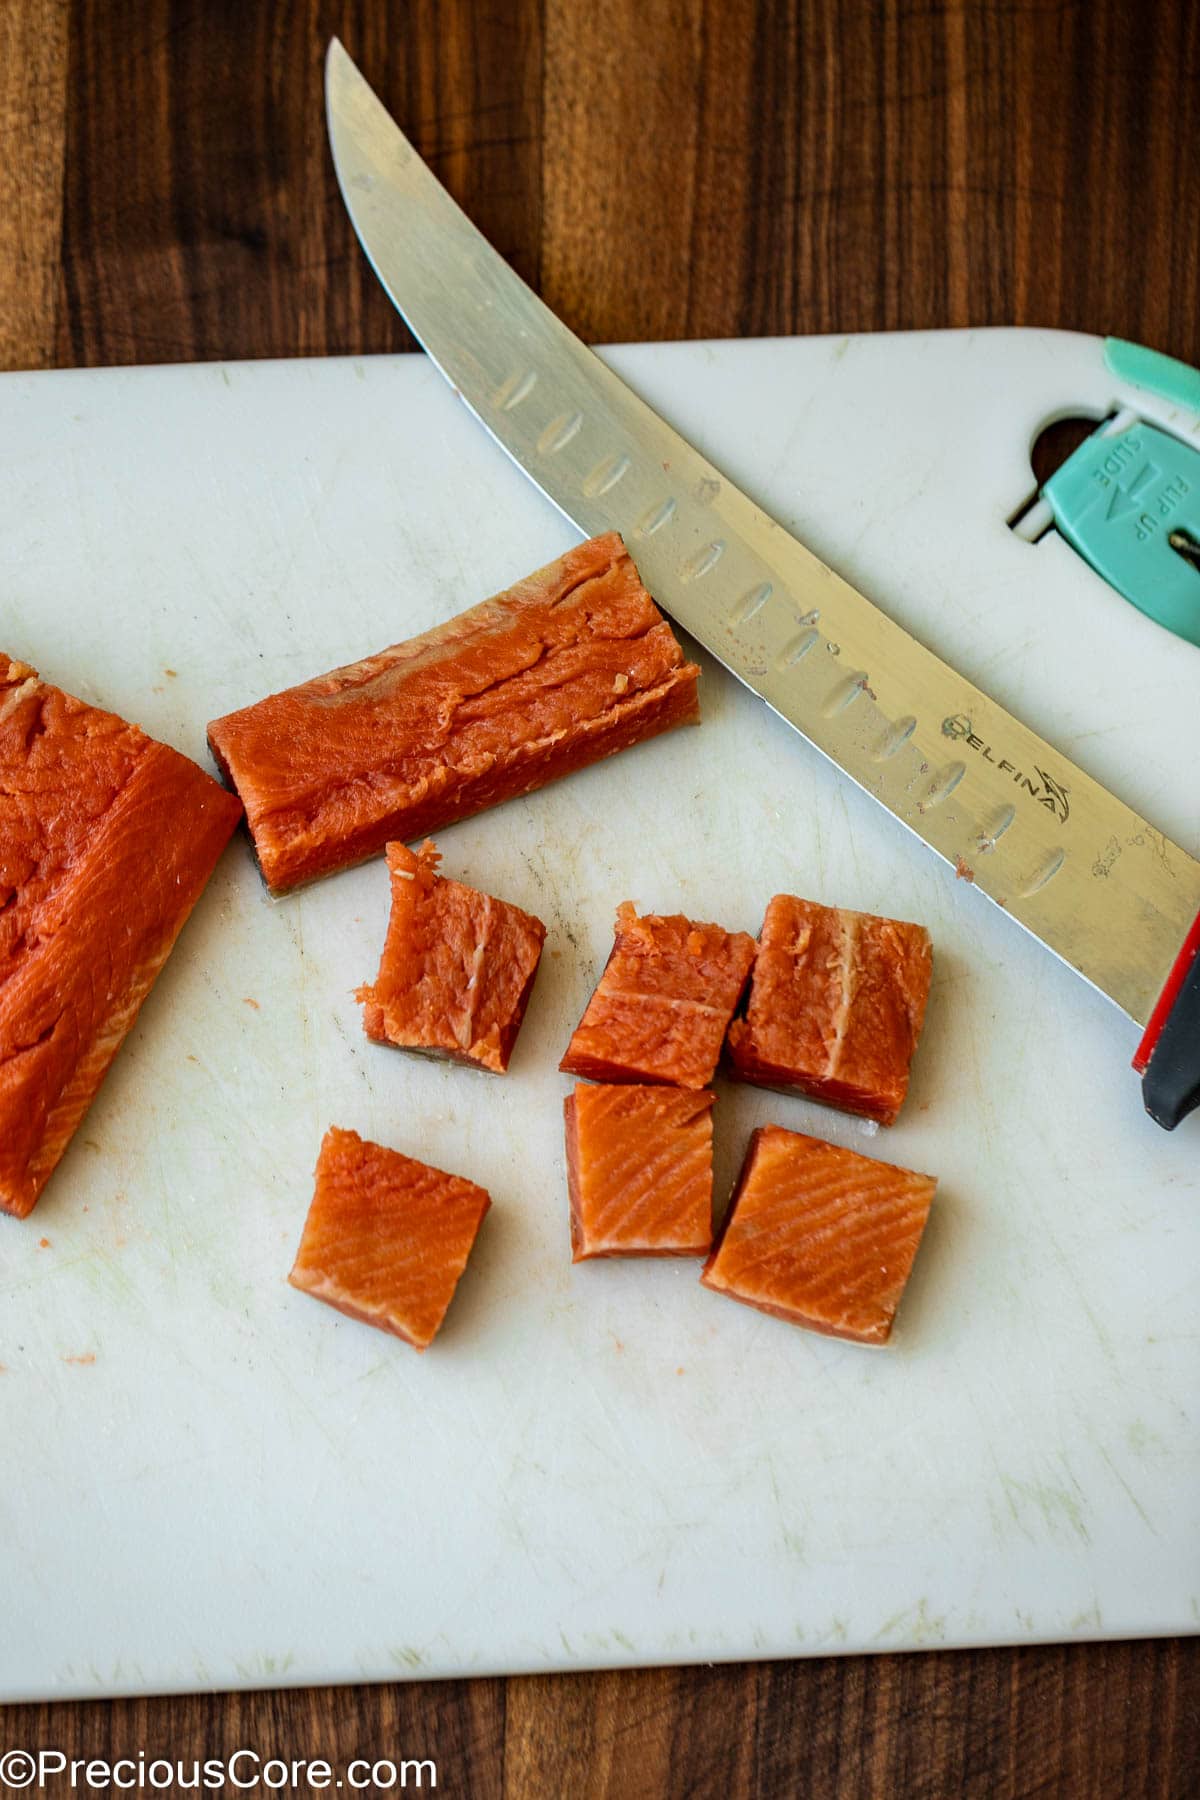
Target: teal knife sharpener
[{"x": 1128, "y": 499}]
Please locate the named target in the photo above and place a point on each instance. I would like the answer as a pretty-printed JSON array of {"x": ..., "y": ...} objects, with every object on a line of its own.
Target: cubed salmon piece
[
  {"x": 457, "y": 967},
  {"x": 663, "y": 1004},
  {"x": 639, "y": 1171},
  {"x": 107, "y": 839},
  {"x": 836, "y": 1004},
  {"x": 570, "y": 665},
  {"x": 820, "y": 1236},
  {"x": 386, "y": 1238}
]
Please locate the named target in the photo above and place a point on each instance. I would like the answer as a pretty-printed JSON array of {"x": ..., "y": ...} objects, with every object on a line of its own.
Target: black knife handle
[{"x": 1171, "y": 1069}]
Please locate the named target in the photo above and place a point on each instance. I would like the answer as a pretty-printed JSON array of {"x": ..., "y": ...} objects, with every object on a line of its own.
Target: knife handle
[{"x": 1168, "y": 1057}]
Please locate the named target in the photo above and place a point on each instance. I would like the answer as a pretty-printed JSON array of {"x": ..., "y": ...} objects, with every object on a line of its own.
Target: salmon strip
[
  {"x": 639, "y": 1171},
  {"x": 386, "y": 1238},
  {"x": 836, "y": 1005},
  {"x": 457, "y": 967},
  {"x": 820, "y": 1236},
  {"x": 663, "y": 1004},
  {"x": 107, "y": 839},
  {"x": 571, "y": 665}
]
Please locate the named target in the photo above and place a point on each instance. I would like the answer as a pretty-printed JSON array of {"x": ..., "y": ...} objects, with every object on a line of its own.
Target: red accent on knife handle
[
  {"x": 1168, "y": 997},
  {"x": 1169, "y": 1054}
]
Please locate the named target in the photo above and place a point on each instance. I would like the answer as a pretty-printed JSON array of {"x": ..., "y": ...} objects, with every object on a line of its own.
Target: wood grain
[
  {"x": 33, "y": 112},
  {"x": 201, "y": 215},
  {"x": 997, "y": 1724},
  {"x": 1083, "y": 1722},
  {"x": 658, "y": 168}
]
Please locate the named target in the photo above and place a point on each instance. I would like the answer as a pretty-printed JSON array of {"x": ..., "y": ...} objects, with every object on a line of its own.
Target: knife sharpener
[{"x": 1128, "y": 499}]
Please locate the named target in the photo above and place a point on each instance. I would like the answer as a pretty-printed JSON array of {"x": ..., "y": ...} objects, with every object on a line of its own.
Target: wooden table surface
[{"x": 657, "y": 168}]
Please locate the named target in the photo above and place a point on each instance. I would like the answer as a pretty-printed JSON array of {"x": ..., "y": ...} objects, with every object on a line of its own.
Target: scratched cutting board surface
[{"x": 209, "y": 1479}]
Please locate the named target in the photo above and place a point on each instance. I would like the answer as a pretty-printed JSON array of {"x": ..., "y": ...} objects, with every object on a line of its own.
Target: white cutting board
[{"x": 210, "y": 1480}]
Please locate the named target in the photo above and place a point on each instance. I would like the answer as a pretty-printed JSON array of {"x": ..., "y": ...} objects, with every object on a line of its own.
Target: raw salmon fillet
[
  {"x": 639, "y": 1171},
  {"x": 107, "y": 839},
  {"x": 836, "y": 1004},
  {"x": 820, "y": 1236},
  {"x": 386, "y": 1238},
  {"x": 570, "y": 665},
  {"x": 663, "y": 1004},
  {"x": 457, "y": 967}
]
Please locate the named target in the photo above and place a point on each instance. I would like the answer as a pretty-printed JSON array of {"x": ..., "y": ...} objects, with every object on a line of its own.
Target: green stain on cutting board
[
  {"x": 916, "y": 1623},
  {"x": 266, "y": 1665},
  {"x": 1059, "y": 1508},
  {"x": 1140, "y": 1438}
]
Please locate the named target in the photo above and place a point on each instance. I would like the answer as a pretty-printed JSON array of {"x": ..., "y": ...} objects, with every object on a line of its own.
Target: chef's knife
[{"x": 1103, "y": 889}]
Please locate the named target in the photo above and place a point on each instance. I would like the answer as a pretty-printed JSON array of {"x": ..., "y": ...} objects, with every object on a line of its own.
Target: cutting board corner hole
[{"x": 1056, "y": 438}]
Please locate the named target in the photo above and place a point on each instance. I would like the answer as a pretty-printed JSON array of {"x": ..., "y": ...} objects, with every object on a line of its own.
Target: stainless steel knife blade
[{"x": 983, "y": 791}]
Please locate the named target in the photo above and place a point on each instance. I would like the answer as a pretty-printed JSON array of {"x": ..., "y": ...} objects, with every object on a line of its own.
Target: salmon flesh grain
[
  {"x": 820, "y": 1236},
  {"x": 836, "y": 1004},
  {"x": 663, "y": 1004},
  {"x": 639, "y": 1171},
  {"x": 457, "y": 967},
  {"x": 386, "y": 1238},
  {"x": 571, "y": 665},
  {"x": 107, "y": 839}
]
